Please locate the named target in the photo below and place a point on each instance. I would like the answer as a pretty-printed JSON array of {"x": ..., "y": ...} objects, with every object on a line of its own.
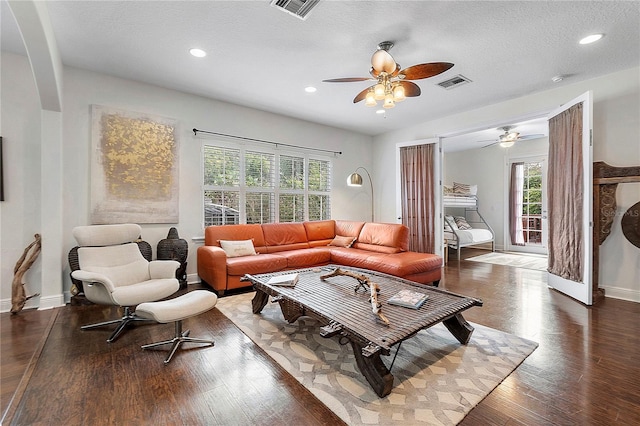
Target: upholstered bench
[{"x": 175, "y": 310}]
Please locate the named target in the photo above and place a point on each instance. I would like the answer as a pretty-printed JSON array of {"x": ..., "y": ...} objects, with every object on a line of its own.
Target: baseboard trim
[
  {"x": 621, "y": 293},
  {"x": 39, "y": 303}
]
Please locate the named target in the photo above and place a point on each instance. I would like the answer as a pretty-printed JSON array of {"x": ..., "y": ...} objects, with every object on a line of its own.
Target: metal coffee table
[{"x": 344, "y": 309}]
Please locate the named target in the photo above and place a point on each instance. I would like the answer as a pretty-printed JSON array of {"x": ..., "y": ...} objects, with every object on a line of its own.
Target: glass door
[{"x": 534, "y": 205}]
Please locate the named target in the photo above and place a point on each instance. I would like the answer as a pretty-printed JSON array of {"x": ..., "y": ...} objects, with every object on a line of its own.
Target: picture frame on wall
[{"x": 134, "y": 167}]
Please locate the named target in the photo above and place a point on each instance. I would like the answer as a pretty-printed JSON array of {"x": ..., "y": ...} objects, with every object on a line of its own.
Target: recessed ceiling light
[
  {"x": 380, "y": 111},
  {"x": 198, "y": 53},
  {"x": 591, "y": 38},
  {"x": 310, "y": 89}
]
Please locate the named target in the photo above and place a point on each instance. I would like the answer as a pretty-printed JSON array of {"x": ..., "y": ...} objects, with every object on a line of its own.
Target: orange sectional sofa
[{"x": 381, "y": 247}]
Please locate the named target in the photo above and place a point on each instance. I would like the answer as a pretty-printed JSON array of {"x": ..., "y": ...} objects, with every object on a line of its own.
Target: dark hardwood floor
[{"x": 585, "y": 371}]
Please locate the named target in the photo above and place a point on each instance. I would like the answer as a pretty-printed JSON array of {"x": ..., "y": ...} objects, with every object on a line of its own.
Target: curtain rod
[{"x": 195, "y": 132}]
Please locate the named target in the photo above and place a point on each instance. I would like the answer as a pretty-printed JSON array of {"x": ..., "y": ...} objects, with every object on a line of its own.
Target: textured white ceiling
[{"x": 263, "y": 58}]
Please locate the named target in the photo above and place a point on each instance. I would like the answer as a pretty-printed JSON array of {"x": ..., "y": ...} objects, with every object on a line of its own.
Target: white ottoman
[{"x": 175, "y": 310}]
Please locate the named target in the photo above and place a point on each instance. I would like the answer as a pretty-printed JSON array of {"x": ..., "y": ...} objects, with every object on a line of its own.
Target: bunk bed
[{"x": 464, "y": 226}]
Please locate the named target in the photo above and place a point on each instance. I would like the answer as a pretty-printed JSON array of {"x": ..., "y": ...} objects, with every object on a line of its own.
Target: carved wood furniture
[
  {"x": 605, "y": 182},
  {"x": 347, "y": 313},
  {"x": 175, "y": 248}
]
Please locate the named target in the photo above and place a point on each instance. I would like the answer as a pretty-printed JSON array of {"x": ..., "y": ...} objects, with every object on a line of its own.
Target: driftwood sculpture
[
  {"x": 365, "y": 283},
  {"x": 18, "y": 295}
]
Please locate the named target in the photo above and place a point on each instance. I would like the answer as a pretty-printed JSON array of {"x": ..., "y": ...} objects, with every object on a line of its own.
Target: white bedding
[
  {"x": 459, "y": 200},
  {"x": 469, "y": 236}
]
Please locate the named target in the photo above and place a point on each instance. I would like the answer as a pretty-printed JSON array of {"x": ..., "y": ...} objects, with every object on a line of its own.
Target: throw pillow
[
  {"x": 238, "y": 248},
  {"x": 451, "y": 222},
  {"x": 461, "y": 188},
  {"x": 462, "y": 223},
  {"x": 447, "y": 190},
  {"x": 341, "y": 241}
]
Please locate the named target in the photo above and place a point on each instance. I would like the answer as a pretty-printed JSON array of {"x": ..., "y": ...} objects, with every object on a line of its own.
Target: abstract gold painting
[{"x": 134, "y": 167}]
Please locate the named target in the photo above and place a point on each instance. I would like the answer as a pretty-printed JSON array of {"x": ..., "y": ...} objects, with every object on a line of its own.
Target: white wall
[
  {"x": 81, "y": 90},
  {"x": 616, "y": 127},
  {"x": 21, "y": 210}
]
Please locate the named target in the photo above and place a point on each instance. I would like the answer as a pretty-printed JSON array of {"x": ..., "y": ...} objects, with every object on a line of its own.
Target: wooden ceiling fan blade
[
  {"x": 360, "y": 96},
  {"x": 417, "y": 72},
  {"x": 410, "y": 89},
  {"x": 346, "y": 80}
]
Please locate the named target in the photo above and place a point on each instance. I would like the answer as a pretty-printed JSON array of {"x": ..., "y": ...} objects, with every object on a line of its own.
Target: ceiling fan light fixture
[
  {"x": 392, "y": 83},
  {"x": 507, "y": 144},
  {"x": 370, "y": 99},
  {"x": 398, "y": 93},
  {"x": 378, "y": 91}
]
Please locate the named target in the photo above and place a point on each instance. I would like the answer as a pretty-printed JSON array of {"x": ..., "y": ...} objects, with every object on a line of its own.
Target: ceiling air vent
[
  {"x": 298, "y": 8},
  {"x": 454, "y": 81}
]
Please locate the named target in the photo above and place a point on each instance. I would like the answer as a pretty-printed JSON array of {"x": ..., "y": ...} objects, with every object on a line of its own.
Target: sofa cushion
[
  {"x": 348, "y": 228},
  {"x": 383, "y": 237},
  {"x": 403, "y": 264},
  {"x": 306, "y": 257},
  {"x": 320, "y": 243},
  {"x": 284, "y": 236},
  {"x": 260, "y": 264},
  {"x": 238, "y": 248},
  {"x": 213, "y": 234},
  {"x": 320, "y": 230},
  {"x": 350, "y": 257}
]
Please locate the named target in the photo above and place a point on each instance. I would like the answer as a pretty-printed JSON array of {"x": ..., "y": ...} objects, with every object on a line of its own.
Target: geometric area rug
[
  {"x": 437, "y": 380},
  {"x": 527, "y": 261}
]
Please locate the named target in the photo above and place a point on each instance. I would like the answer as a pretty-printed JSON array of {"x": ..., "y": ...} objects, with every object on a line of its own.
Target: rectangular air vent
[
  {"x": 298, "y": 8},
  {"x": 455, "y": 81}
]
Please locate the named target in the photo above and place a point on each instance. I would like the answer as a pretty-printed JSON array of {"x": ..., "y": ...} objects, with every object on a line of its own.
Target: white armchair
[{"x": 114, "y": 272}]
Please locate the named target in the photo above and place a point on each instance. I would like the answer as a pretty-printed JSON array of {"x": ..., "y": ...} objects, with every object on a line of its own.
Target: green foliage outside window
[{"x": 300, "y": 185}]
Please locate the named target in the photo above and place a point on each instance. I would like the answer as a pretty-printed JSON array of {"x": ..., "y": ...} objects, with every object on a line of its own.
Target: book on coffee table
[
  {"x": 408, "y": 299},
  {"x": 287, "y": 280}
]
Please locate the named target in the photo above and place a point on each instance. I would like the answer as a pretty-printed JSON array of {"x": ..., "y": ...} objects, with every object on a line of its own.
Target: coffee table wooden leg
[
  {"x": 374, "y": 370},
  {"x": 259, "y": 301},
  {"x": 459, "y": 327}
]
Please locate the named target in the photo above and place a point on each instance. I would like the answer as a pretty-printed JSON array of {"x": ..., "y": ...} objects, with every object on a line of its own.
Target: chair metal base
[
  {"x": 180, "y": 338},
  {"x": 127, "y": 319}
]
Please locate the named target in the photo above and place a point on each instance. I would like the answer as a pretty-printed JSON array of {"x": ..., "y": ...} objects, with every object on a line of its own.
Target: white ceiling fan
[{"x": 510, "y": 137}]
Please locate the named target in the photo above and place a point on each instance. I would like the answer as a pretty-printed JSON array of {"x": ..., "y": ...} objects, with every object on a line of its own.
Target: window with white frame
[{"x": 256, "y": 185}]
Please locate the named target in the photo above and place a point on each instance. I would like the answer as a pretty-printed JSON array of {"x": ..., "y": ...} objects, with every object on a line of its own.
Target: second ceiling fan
[
  {"x": 509, "y": 137},
  {"x": 393, "y": 83}
]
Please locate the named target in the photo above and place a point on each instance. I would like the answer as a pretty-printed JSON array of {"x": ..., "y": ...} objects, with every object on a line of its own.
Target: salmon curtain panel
[
  {"x": 565, "y": 192},
  {"x": 418, "y": 196},
  {"x": 516, "y": 189}
]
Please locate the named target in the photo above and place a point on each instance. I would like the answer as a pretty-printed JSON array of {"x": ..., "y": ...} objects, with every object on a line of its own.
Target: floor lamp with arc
[{"x": 355, "y": 179}]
